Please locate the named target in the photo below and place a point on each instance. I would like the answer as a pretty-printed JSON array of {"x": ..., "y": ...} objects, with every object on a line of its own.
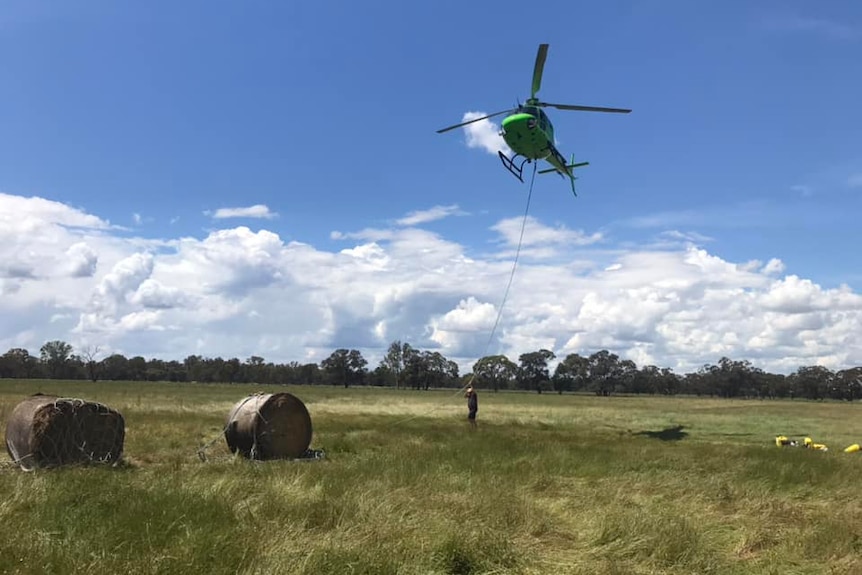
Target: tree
[
  {"x": 309, "y": 374},
  {"x": 604, "y": 372},
  {"x": 415, "y": 368},
  {"x": 88, "y": 355},
  {"x": 533, "y": 371},
  {"x": 771, "y": 386},
  {"x": 811, "y": 382},
  {"x": 115, "y": 367},
  {"x": 395, "y": 359},
  {"x": 847, "y": 384},
  {"x": 668, "y": 382},
  {"x": 229, "y": 370},
  {"x": 345, "y": 366},
  {"x": 255, "y": 370},
  {"x": 495, "y": 371},
  {"x": 137, "y": 368},
  {"x": 647, "y": 380},
  {"x": 194, "y": 366},
  {"x": 55, "y": 355},
  {"x": 439, "y": 371},
  {"x": 625, "y": 380},
  {"x": 735, "y": 378},
  {"x": 17, "y": 363},
  {"x": 571, "y": 373},
  {"x": 156, "y": 370}
]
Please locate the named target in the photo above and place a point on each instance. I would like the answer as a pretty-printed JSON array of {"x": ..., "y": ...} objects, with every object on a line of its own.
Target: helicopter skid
[{"x": 509, "y": 164}]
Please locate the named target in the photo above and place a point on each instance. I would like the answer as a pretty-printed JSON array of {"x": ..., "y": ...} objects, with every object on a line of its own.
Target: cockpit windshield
[{"x": 539, "y": 114}]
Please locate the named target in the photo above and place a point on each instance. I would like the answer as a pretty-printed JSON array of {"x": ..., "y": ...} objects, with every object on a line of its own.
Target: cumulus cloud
[
  {"x": 255, "y": 211},
  {"x": 235, "y": 293},
  {"x": 153, "y": 294},
  {"x": 539, "y": 240},
  {"x": 429, "y": 215},
  {"x": 34, "y": 214},
  {"x": 81, "y": 260},
  {"x": 774, "y": 266},
  {"x": 16, "y": 270},
  {"x": 484, "y": 134}
]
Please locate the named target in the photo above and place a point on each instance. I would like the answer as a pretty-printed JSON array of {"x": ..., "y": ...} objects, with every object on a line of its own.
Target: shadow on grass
[{"x": 667, "y": 434}]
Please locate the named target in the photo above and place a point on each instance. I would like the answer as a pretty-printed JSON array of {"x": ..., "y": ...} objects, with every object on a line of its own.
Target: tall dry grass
[{"x": 547, "y": 484}]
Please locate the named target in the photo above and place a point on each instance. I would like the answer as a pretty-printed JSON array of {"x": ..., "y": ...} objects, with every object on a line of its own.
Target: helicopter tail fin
[{"x": 569, "y": 171}]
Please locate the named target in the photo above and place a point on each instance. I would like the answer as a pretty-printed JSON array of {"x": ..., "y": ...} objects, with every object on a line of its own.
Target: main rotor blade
[
  {"x": 474, "y": 120},
  {"x": 538, "y": 68},
  {"x": 586, "y": 108}
]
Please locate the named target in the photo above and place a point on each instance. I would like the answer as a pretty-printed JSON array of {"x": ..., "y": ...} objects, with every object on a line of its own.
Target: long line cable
[
  {"x": 514, "y": 263},
  {"x": 502, "y": 302},
  {"x": 201, "y": 452}
]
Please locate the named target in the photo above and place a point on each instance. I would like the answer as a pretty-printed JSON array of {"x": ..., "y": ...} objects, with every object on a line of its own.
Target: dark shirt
[{"x": 473, "y": 402}]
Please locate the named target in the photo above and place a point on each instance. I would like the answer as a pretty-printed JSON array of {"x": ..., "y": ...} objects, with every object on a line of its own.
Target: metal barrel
[{"x": 269, "y": 426}]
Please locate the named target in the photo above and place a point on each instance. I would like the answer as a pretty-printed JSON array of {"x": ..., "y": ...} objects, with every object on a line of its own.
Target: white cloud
[
  {"x": 691, "y": 237},
  {"x": 33, "y": 214},
  {"x": 368, "y": 234},
  {"x": 255, "y": 211},
  {"x": 136, "y": 217},
  {"x": 235, "y": 292},
  {"x": 484, "y": 134},
  {"x": 774, "y": 266},
  {"x": 16, "y": 270},
  {"x": 124, "y": 278},
  {"x": 81, "y": 260},
  {"x": 545, "y": 241},
  {"x": 152, "y": 294},
  {"x": 429, "y": 215},
  {"x": 466, "y": 327}
]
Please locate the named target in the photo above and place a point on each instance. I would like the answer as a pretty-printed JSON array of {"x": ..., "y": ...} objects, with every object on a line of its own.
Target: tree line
[{"x": 403, "y": 366}]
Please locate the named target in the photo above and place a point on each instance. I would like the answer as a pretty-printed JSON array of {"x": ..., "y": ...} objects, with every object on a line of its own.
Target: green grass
[{"x": 547, "y": 484}]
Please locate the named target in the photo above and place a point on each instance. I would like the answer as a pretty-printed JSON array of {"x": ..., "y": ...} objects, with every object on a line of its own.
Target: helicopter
[{"x": 529, "y": 132}]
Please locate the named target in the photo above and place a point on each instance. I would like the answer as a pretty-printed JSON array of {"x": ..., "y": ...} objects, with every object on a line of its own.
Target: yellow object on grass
[
  {"x": 809, "y": 443},
  {"x": 852, "y": 449}
]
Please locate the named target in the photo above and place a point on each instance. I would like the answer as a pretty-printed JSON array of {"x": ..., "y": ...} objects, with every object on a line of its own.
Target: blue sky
[{"x": 743, "y": 142}]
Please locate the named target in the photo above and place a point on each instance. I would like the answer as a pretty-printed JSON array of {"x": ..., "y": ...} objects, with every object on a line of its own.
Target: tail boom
[{"x": 561, "y": 167}]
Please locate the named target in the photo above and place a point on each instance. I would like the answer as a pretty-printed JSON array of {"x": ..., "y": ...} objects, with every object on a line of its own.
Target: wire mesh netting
[{"x": 48, "y": 431}]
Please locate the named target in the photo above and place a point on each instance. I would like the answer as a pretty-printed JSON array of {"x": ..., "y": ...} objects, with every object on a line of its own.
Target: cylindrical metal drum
[{"x": 269, "y": 426}]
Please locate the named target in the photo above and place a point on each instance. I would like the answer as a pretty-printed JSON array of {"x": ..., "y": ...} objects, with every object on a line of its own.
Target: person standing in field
[{"x": 472, "y": 406}]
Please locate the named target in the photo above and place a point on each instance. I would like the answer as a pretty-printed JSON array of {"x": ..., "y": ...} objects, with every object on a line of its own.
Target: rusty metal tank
[{"x": 269, "y": 426}]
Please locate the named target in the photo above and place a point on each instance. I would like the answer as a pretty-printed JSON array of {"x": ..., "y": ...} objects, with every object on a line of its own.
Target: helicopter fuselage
[{"x": 529, "y": 133}]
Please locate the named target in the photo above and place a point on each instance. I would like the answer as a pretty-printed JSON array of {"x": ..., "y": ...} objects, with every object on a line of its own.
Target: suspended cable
[
  {"x": 502, "y": 302},
  {"x": 514, "y": 263}
]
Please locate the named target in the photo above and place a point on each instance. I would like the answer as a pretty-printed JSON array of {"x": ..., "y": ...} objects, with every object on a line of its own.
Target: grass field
[{"x": 547, "y": 484}]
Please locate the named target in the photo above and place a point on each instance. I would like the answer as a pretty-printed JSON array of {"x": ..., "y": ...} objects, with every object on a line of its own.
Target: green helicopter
[{"x": 529, "y": 132}]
